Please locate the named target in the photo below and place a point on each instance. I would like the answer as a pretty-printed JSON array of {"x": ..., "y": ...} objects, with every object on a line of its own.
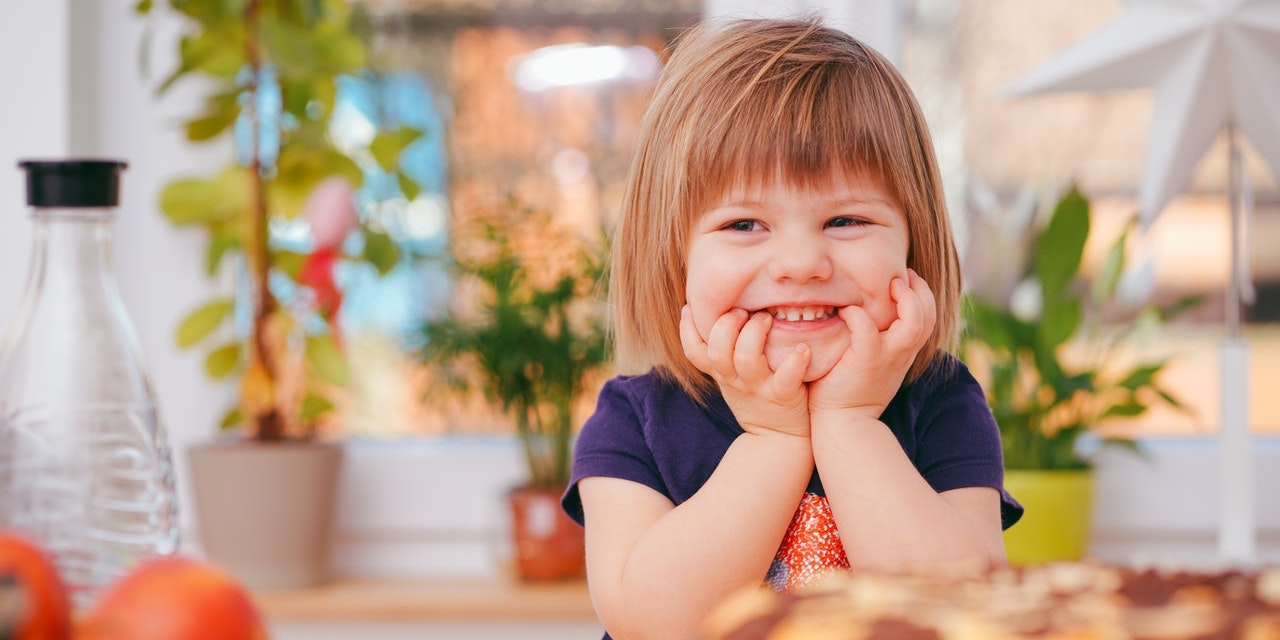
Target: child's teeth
[{"x": 795, "y": 314}]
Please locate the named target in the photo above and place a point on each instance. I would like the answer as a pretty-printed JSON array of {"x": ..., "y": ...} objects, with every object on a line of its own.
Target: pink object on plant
[{"x": 331, "y": 211}]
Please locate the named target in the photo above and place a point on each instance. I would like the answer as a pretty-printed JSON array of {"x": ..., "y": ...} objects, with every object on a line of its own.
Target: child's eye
[
  {"x": 845, "y": 221},
  {"x": 743, "y": 225}
]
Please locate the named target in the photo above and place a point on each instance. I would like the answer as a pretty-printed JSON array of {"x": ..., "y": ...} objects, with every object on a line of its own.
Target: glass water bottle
[{"x": 85, "y": 467}]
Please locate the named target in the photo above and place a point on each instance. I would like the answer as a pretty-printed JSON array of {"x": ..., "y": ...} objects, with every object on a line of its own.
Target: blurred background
[{"x": 540, "y": 99}]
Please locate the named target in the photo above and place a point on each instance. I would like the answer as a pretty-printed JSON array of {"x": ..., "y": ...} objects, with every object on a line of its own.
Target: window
[
  {"x": 960, "y": 56},
  {"x": 533, "y": 99}
]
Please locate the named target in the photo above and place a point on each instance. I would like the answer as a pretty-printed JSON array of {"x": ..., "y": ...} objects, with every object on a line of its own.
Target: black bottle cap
[{"x": 73, "y": 183}]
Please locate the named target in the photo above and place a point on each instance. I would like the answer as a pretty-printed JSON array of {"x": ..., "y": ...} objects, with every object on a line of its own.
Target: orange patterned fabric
[{"x": 810, "y": 548}]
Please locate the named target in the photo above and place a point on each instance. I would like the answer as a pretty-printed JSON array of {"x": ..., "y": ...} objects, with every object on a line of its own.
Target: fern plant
[{"x": 536, "y": 335}]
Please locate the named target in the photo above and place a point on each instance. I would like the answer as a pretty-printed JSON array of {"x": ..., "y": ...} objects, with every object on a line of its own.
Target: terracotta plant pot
[
  {"x": 1057, "y": 522},
  {"x": 548, "y": 544},
  {"x": 265, "y": 510}
]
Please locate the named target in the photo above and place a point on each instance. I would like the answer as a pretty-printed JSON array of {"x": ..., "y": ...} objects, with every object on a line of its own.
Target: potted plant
[
  {"x": 270, "y": 69},
  {"x": 1054, "y": 369},
  {"x": 531, "y": 337}
]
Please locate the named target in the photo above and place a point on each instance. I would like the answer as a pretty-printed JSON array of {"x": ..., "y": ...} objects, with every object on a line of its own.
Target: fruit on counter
[
  {"x": 173, "y": 598},
  {"x": 34, "y": 604}
]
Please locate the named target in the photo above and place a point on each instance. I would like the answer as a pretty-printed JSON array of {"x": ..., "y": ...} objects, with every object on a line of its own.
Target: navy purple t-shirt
[{"x": 648, "y": 430}]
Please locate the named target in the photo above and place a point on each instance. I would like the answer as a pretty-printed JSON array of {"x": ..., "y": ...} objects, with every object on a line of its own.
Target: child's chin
[
  {"x": 820, "y": 364},
  {"x": 819, "y": 367}
]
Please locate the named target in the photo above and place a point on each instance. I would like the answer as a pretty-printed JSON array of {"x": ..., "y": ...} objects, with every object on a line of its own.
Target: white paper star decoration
[{"x": 1212, "y": 63}]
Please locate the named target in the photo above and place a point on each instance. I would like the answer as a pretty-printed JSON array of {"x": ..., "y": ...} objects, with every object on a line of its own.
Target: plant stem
[{"x": 267, "y": 425}]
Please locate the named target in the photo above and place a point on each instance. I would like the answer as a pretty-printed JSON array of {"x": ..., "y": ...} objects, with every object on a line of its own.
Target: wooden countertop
[{"x": 405, "y": 600}]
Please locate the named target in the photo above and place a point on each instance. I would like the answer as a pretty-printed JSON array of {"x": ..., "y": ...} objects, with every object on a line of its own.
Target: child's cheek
[
  {"x": 702, "y": 320},
  {"x": 705, "y": 321}
]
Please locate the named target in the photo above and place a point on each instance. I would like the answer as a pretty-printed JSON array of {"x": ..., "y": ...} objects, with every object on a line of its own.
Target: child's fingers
[
  {"x": 748, "y": 352},
  {"x": 859, "y": 323},
  {"x": 695, "y": 348},
  {"x": 790, "y": 372},
  {"x": 905, "y": 331},
  {"x": 723, "y": 340},
  {"x": 928, "y": 304},
  {"x": 909, "y": 331}
]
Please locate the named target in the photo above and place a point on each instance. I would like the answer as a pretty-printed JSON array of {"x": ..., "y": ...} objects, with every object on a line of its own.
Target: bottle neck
[
  {"x": 71, "y": 308},
  {"x": 72, "y": 243}
]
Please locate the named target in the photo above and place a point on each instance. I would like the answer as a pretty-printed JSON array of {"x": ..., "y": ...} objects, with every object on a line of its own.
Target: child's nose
[{"x": 799, "y": 260}]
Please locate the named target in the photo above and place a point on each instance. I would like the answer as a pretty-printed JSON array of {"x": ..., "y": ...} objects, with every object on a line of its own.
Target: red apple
[
  {"x": 34, "y": 604},
  {"x": 173, "y": 598}
]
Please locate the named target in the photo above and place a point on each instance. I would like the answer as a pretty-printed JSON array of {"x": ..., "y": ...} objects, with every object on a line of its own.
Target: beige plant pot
[{"x": 265, "y": 510}]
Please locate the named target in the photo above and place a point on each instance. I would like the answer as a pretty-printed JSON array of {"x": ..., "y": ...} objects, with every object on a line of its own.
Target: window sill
[{"x": 386, "y": 600}]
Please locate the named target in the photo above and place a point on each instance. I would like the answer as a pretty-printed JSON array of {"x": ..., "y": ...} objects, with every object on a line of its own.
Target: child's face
[{"x": 799, "y": 255}]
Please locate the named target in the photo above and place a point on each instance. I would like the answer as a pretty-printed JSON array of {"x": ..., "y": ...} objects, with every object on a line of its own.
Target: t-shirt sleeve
[
  {"x": 960, "y": 442},
  {"x": 612, "y": 444}
]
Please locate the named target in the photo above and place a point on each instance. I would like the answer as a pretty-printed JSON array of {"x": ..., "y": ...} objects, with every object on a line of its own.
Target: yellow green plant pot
[{"x": 1056, "y": 524}]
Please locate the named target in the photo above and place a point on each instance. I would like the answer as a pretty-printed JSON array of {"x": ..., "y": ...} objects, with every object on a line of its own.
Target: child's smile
[
  {"x": 799, "y": 256},
  {"x": 801, "y": 314}
]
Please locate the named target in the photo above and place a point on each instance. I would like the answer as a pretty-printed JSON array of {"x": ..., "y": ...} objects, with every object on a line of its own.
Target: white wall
[
  {"x": 448, "y": 518},
  {"x": 34, "y": 115},
  {"x": 73, "y": 86}
]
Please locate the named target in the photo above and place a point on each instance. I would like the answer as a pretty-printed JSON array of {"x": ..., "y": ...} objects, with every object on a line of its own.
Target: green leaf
[
  {"x": 380, "y": 250},
  {"x": 290, "y": 262},
  {"x": 201, "y": 322},
  {"x": 196, "y": 201},
  {"x": 1127, "y": 444},
  {"x": 326, "y": 360},
  {"x": 142, "y": 8},
  {"x": 1125, "y": 410},
  {"x": 221, "y": 362},
  {"x": 1069, "y": 385},
  {"x": 1182, "y": 306},
  {"x": 220, "y": 242},
  {"x": 220, "y": 113},
  {"x": 314, "y": 406},
  {"x": 408, "y": 186},
  {"x": 308, "y": 51},
  {"x": 995, "y": 327},
  {"x": 1061, "y": 245},
  {"x": 387, "y": 145},
  {"x": 185, "y": 66},
  {"x": 1060, "y": 322},
  {"x": 231, "y": 420},
  {"x": 1142, "y": 376},
  {"x": 294, "y": 95},
  {"x": 1172, "y": 400},
  {"x": 1108, "y": 278},
  {"x": 217, "y": 51},
  {"x": 188, "y": 201},
  {"x": 210, "y": 126},
  {"x": 204, "y": 11},
  {"x": 1147, "y": 321},
  {"x": 342, "y": 53}
]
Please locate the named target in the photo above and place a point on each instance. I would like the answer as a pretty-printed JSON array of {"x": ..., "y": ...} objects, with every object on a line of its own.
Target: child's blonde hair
[{"x": 750, "y": 100}]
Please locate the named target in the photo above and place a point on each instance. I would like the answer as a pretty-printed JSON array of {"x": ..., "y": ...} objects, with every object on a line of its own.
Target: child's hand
[
  {"x": 733, "y": 355},
  {"x": 871, "y": 370}
]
